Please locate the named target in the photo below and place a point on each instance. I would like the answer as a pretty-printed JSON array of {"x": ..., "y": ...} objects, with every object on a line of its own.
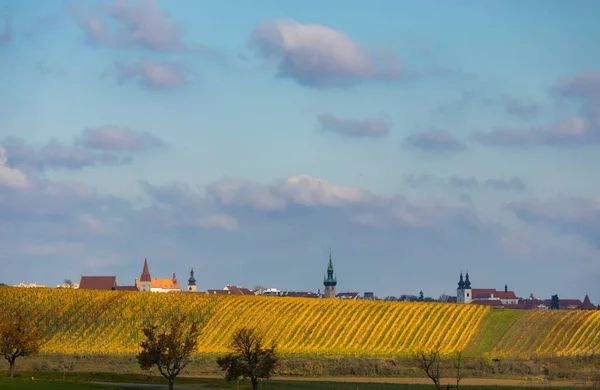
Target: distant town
[{"x": 465, "y": 294}]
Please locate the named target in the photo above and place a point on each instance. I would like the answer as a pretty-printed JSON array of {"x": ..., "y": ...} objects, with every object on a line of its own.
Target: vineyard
[{"x": 109, "y": 322}]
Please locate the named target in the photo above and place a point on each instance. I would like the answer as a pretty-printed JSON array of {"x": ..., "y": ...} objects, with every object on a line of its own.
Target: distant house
[
  {"x": 300, "y": 294},
  {"x": 369, "y": 296},
  {"x": 489, "y": 294},
  {"x": 30, "y": 285},
  {"x": 98, "y": 283},
  {"x": 127, "y": 288},
  {"x": 564, "y": 304},
  {"x": 146, "y": 283},
  {"x": 348, "y": 295},
  {"x": 587, "y": 304}
]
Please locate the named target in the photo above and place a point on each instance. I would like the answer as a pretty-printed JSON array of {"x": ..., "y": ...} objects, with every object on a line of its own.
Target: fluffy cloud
[
  {"x": 578, "y": 216},
  {"x": 102, "y": 146},
  {"x": 585, "y": 86},
  {"x": 246, "y": 232},
  {"x": 11, "y": 177},
  {"x": 138, "y": 23},
  {"x": 572, "y": 131},
  {"x": 434, "y": 141},
  {"x": 318, "y": 56},
  {"x": 353, "y": 128},
  {"x": 152, "y": 73},
  {"x": 465, "y": 183},
  {"x": 55, "y": 155},
  {"x": 112, "y": 138}
]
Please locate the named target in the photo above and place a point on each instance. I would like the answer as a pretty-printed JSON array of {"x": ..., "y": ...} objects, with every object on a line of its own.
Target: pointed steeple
[
  {"x": 145, "y": 273},
  {"x": 467, "y": 281},
  {"x": 192, "y": 280},
  {"x": 461, "y": 282},
  {"x": 330, "y": 280}
]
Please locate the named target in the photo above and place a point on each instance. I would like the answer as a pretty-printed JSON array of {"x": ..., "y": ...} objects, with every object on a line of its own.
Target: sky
[{"x": 413, "y": 139}]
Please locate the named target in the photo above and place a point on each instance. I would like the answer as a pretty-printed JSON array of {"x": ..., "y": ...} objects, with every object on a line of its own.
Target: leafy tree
[
  {"x": 554, "y": 302},
  {"x": 18, "y": 337},
  {"x": 169, "y": 348},
  {"x": 421, "y": 296},
  {"x": 250, "y": 357}
]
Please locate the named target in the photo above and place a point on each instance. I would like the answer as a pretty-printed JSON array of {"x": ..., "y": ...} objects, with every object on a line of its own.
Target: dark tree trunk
[
  {"x": 254, "y": 383},
  {"x": 11, "y": 372},
  {"x": 170, "y": 383}
]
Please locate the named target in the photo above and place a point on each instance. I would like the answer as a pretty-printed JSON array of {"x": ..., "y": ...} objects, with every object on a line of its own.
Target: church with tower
[
  {"x": 466, "y": 294},
  {"x": 329, "y": 281}
]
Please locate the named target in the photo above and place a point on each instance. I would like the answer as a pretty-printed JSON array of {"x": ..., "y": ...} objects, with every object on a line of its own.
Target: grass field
[{"x": 85, "y": 381}]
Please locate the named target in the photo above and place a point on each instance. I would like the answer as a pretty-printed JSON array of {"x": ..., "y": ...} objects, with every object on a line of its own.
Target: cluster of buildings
[
  {"x": 465, "y": 294},
  {"x": 508, "y": 299}
]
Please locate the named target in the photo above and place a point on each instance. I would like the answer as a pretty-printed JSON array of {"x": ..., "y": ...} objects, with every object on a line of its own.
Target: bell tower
[
  {"x": 330, "y": 281},
  {"x": 464, "y": 293},
  {"x": 191, "y": 282}
]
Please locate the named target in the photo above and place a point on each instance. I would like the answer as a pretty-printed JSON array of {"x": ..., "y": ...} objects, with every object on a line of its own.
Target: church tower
[
  {"x": 330, "y": 281},
  {"x": 464, "y": 291},
  {"x": 145, "y": 279},
  {"x": 191, "y": 282}
]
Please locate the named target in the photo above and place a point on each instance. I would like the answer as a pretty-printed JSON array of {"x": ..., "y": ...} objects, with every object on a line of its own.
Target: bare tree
[
  {"x": 169, "y": 348},
  {"x": 18, "y": 337},
  {"x": 250, "y": 357},
  {"x": 429, "y": 362},
  {"x": 458, "y": 365}
]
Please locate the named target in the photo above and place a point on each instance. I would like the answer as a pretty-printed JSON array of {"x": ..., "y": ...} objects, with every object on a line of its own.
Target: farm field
[{"x": 108, "y": 322}]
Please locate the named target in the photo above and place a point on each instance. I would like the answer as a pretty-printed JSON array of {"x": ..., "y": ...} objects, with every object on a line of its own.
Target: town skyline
[{"x": 245, "y": 140}]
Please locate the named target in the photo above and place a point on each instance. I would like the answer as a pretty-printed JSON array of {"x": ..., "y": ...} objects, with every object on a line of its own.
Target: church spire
[
  {"x": 192, "y": 280},
  {"x": 467, "y": 281},
  {"x": 145, "y": 273},
  {"x": 330, "y": 280},
  {"x": 461, "y": 282}
]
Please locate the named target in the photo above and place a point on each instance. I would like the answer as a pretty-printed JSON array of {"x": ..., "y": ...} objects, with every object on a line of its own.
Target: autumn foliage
[
  {"x": 80, "y": 321},
  {"x": 18, "y": 338}
]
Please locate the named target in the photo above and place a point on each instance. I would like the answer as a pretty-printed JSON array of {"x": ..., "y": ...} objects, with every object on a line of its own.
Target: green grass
[
  {"x": 493, "y": 326},
  {"x": 83, "y": 381},
  {"x": 48, "y": 385}
]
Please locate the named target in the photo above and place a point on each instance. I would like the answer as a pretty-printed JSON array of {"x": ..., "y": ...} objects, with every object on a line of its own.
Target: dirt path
[
  {"x": 150, "y": 387},
  {"x": 465, "y": 381}
]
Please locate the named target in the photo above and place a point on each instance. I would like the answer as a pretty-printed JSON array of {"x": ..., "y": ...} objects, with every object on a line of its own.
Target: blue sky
[{"x": 415, "y": 138}]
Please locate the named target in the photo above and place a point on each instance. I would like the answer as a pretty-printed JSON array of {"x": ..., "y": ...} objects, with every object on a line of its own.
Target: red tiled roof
[
  {"x": 163, "y": 283},
  {"x": 482, "y": 292},
  {"x": 587, "y": 304},
  {"x": 505, "y": 295},
  {"x": 452, "y": 299},
  {"x": 235, "y": 290},
  {"x": 127, "y": 288},
  {"x": 98, "y": 282}
]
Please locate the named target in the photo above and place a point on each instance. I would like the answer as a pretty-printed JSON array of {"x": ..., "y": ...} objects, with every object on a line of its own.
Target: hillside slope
[{"x": 81, "y": 321}]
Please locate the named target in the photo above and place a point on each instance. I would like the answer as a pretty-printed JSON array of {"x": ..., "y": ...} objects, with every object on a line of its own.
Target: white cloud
[
  {"x": 319, "y": 56},
  {"x": 11, "y": 177}
]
